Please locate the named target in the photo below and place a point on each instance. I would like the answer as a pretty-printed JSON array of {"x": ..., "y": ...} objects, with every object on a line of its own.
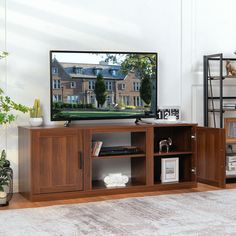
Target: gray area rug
[{"x": 205, "y": 213}]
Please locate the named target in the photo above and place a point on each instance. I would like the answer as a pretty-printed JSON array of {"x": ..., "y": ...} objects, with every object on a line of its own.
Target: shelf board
[
  {"x": 223, "y": 77},
  {"x": 159, "y": 183},
  {"x": 99, "y": 184},
  {"x": 224, "y": 97},
  {"x": 171, "y": 153},
  {"x": 214, "y": 77},
  {"x": 217, "y": 58},
  {"x": 230, "y": 141},
  {"x": 230, "y": 176},
  {"x": 223, "y": 110},
  {"x": 118, "y": 156}
]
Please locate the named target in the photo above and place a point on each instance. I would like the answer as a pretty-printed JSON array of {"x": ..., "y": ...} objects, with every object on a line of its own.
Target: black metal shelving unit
[
  {"x": 214, "y": 100},
  {"x": 209, "y": 98}
]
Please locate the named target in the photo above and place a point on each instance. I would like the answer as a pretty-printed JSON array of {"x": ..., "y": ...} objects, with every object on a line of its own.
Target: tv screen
[{"x": 103, "y": 85}]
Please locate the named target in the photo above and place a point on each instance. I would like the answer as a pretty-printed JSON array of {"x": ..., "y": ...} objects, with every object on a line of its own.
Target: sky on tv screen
[{"x": 90, "y": 58}]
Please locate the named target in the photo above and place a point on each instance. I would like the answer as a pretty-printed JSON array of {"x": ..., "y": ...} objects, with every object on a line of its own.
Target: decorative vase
[
  {"x": 116, "y": 180},
  {"x": 3, "y": 198},
  {"x": 37, "y": 121}
]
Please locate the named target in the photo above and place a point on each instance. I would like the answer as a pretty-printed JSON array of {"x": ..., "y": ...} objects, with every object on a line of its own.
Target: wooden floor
[{"x": 20, "y": 202}]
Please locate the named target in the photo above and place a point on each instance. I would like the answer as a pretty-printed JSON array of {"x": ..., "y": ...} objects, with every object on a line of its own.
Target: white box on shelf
[{"x": 231, "y": 167}]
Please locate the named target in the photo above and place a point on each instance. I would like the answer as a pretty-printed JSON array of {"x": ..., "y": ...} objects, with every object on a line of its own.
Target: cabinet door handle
[
  {"x": 81, "y": 160},
  {"x": 194, "y": 170}
]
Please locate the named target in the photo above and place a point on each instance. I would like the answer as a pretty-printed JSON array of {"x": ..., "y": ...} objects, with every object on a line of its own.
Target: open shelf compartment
[
  {"x": 180, "y": 136},
  {"x": 119, "y": 144},
  {"x": 134, "y": 168}
]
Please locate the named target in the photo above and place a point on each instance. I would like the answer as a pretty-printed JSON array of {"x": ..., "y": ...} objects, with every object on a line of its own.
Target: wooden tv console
[{"x": 56, "y": 162}]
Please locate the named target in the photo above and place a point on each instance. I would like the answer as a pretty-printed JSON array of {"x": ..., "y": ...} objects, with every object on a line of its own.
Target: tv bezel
[{"x": 100, "y": 118}]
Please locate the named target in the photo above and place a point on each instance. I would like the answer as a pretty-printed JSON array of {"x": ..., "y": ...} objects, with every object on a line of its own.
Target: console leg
[{"x": 139, "y": 120}]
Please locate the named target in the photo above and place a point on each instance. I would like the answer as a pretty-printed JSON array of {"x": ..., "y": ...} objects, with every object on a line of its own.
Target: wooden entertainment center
[{"x": 56, "y": 162}]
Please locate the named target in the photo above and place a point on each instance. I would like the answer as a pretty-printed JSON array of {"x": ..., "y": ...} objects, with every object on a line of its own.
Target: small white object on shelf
[{"x": 116, "y": 180}]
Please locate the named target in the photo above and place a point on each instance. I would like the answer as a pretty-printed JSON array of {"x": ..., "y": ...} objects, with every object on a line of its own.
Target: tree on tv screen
[
  {"x": 144, "y": 65},
  {"x": 146, "y": 90},
  {"x": 100, "y": 90}
]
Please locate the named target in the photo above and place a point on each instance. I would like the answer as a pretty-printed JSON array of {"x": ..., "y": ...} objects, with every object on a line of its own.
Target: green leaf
[{"x": 6, "y": 106}]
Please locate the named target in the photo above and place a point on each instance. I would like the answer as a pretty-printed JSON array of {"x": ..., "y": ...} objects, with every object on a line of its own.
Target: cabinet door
[
  {"x": 211, "y": 156},
  {"x": 57, "y": 161}
]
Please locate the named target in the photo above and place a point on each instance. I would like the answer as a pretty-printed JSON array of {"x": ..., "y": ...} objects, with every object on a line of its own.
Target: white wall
[
  {"x": 208, "y": 28},
  {"x": 181, "y": 31}
]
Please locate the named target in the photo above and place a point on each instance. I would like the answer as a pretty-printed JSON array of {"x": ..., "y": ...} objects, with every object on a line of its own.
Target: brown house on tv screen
[{"x": 75, "y": 83}]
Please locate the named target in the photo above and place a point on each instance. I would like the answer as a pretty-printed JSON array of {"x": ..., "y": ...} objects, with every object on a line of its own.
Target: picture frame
[
  {"x": 169, "y": 170},
  {"x": 230, "y": 129}
]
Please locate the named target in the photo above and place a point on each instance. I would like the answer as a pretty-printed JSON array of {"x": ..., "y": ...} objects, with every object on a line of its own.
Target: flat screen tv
[{"x": 88, "y": 85}]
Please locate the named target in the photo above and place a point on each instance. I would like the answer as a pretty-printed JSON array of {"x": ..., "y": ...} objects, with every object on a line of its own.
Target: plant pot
[
  {"x": 3, "y": 198},
  {"x": 38, "y": 121}
]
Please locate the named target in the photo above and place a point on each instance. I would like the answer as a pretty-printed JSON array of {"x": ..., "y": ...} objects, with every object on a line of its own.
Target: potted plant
[
  {"x": 36, "y": 118},
  {"x": 7, "y": 105},
  {"x": 5, "y": 177}
]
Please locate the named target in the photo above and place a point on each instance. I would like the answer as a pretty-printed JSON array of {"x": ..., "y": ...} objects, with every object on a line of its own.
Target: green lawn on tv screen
[{"x": 96, "y": 114}]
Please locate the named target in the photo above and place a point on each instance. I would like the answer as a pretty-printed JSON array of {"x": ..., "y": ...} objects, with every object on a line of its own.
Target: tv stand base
[
  {"x": 139, "y": 120},
  {"x": 67, "y": 123}
]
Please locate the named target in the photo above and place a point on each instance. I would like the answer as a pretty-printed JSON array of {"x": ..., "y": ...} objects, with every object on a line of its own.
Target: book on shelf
[
  {"x": 120, "y": 150},
  {"x": 96, "y": 148}
]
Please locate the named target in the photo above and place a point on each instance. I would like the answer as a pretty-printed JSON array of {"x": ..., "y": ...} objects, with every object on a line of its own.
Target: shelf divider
[
  {"x": 172, "y": 153},
  {"x": 118, "y": 156}
]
